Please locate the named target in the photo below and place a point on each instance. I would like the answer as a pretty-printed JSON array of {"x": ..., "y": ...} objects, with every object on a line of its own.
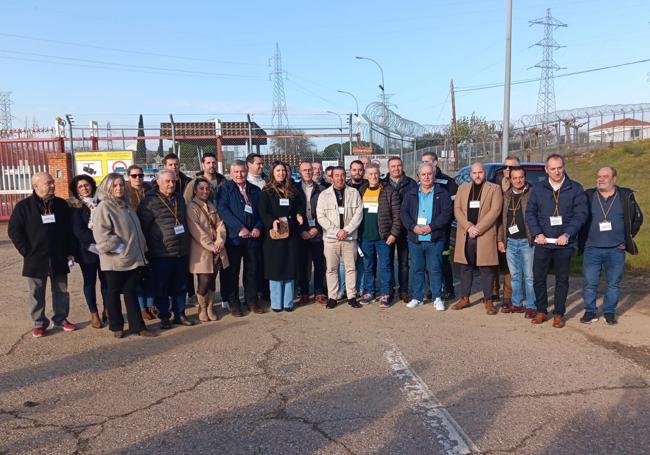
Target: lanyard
[
  {"x": 556, "y": 198},
  {"x": 207, "y": 215},
  {"x": 244, "y": 194},
  {"x": 611, "y": 204},
  {"x": 173, "y": 212},
  {"x": 479, "y": 193},
  {"x": 48, "y": 209}
]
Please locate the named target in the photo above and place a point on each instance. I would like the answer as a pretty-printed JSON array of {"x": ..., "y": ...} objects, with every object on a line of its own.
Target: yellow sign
[{"x": 99, "y": 164}]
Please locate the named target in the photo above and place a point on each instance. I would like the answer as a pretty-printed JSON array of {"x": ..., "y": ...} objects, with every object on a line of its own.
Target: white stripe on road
[{"x": 446, "y": 430}]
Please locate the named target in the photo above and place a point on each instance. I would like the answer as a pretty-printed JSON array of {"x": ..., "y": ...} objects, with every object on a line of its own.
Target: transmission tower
[
  {"x": 280, "y": 118},
  {"x": 546, "y": 97},
  {"x": 5, "y": 113}
]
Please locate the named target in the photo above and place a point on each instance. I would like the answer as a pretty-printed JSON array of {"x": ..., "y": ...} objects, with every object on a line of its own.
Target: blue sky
[{"x": 421, "y": 45}]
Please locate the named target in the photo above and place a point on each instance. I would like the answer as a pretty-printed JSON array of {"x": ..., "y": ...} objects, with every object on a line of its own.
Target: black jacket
[
  {"x": 83, "y": 234},
  {"x": 442, "y": 213},
  {"x": 631, "y": 213},
  {"x": 388, "y": 219},
  {"x": 157, "y": 222},
  {"x": 42, "y": 245},
  {"x": 446, "y": 182},
  {"x": 318, "y": 189}
]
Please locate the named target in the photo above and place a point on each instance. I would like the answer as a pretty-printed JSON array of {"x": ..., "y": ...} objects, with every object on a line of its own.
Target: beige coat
[
  {"x": 203, "y": 236},
  {"x": 489, "y": 213},
  {"x": 327, "y": 213}
]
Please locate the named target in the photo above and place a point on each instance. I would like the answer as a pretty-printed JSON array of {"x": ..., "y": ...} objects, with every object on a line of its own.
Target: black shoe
[
  {"x": 610, "y": 318},
  {"x": 353, "y": 303},
  {"x": 589, "y": 317},
  {"x": 331, "y": 303},
  {"x": 165, "y": 324},
  {"x": 277, "y": 310},
  {"x": 182, "y": 320},
  {"x": 289, "y": 309},
  {"x": 428, "y": 295},
  {"x": 448, "y": 295},
  {"x": 147, "y": 333}
]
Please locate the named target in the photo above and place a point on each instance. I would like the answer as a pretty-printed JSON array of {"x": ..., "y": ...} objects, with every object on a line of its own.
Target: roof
[{"x": 621, "y": 122}]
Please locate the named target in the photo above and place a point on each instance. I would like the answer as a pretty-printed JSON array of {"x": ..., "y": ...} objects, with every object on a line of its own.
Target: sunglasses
[{"x": 137, "y": 176}]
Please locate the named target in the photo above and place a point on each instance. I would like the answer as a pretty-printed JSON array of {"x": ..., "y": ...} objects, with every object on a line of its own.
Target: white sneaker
[
  {"x": 414, "y": 303},
  {"x": 438, "y": 304}
]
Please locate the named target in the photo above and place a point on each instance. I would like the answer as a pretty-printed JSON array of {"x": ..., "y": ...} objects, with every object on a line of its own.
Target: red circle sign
[{"x": 121, "y": 164}]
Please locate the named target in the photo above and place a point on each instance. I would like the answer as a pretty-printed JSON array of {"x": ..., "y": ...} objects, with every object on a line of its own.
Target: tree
[
  {"x": 473, "y": 129},
  {"x": 291, "y": 145},
  {"x": 430, "y": 140},
  {"x": 161, "y": 151},
  {"x": 141, "y": 149}
]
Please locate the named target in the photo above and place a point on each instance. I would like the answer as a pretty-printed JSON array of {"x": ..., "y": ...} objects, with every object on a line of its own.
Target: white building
[{"x": 622, "y": 130}]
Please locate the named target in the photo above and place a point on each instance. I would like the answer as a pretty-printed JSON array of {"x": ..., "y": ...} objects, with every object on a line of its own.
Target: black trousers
[
  {"x": 467, "y": 272},
  {"x": 542, "y": 260},
  {"x": 252, "y": 271},
  {"x": 312, "y": 253},
  {"x": 447, "y": 274},
  {"x": 123, "y": 283},
  {"x": 402, "y": 247},
  {"x": 191, "y": 291}
]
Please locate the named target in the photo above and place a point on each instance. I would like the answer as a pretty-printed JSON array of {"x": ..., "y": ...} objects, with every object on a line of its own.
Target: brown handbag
[{"x": 282, "y": 232}]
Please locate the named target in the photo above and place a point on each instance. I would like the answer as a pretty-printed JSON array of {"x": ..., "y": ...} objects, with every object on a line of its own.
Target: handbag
[{"x": 282, "y": 232}]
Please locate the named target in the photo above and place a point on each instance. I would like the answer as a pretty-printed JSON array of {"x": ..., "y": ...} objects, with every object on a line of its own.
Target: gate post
[{"x": 60, "y": 168}]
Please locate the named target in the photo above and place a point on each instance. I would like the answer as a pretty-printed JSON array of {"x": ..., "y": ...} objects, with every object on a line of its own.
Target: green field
[{"x": 632, "y": 161}]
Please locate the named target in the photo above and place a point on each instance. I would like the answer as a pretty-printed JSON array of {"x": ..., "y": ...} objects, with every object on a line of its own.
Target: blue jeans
[
  {"x": 90, "y": 273},
  {"x": 145, "y": 288},
  {"x": 429, "y": 255},
  {"x": 520, "y": 255},
  {"x": 170, "y": 280},
  {"x": 281, "y": 294},
  {"x": 373, "y": 249},
  {"x": 360, "y": 272},
  {"x": 593, "y": 261}
]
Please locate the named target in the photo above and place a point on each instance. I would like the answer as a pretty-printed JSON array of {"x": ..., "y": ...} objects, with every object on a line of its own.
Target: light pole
[
  {"x": 505, "y": 139},
  {"x": 356, "y": 114},
  {"x": 383, "y": 101},
  {"x": 340, "y": 137}
]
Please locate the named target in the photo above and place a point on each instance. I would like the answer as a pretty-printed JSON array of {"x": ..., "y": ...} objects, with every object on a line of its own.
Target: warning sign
[{"x": 99, "y": 164}]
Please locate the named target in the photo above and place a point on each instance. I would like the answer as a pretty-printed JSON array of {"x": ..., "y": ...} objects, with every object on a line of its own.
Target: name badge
[
  {"x": 311, "y": 223},
  {"x": 513, "y": 229},
  {"x": 179, "y": 229},
  {"x": 90, "y": 225},
  {"x": 284, "y": 202},
  {"x": 373, "y": 207},
  {"x": 605, "y": 226},
  {"x": 422, "y": 221},
  {"x": 48, "y": 219},
  {"x": 442, "y": 181},
  {"x": 248, "y": 209},
  {"x": 556, "y": 221},
  {"x": 341, "y": 210},
  {"x": 474, "y": 204}
]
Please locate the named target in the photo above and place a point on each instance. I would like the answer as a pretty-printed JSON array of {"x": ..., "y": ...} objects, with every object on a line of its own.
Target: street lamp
[
  {"x": 340, "y": 137},
  {"x": 355, "y": 101},
  {"x": 383, "y": 99}
]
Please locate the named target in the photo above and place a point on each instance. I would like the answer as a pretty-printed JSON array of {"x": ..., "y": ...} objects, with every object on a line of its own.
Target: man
[
  {"x": 449, "y": 184},
  {"x": 356, "y": 180},
  {"x": 256, "y": 170},
  {"x": 402, "y": 184},
  {"x": 238, "y": 204},
  {"x": 477, "y": 208},
  {"x": 426, "y": 212},
  {"x": 556, "y": 211},
  {"x": 614, "y": 219},
  {"x": 379, "y": 230},
  {"x": 339, "y": 212},
  {"x": 40, "y": 228},
  {"x": 517, "y": 244},
  {"x": 171, "y": 162},
  {"x": 312, "y": 237},
  {"x": 162, "y": 218},
  {"x": 136, "y": 187},
  {"x": 328, "y": 176},
  {"x": 209, "y": 171},
  {"x": 317, "y": 168}
]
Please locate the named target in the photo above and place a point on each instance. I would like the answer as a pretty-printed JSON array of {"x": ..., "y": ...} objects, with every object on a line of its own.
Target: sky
[{"x": 110, "y": 61}]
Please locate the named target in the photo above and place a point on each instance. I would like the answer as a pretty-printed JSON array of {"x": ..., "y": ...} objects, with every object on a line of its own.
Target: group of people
[{"x": 327, "y": 238}]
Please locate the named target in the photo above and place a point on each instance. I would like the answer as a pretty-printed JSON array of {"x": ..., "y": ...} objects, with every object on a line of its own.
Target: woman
[
  {"x": 207, "y": 247},
  {"x": 121, "y": 246},
  {"x": 280, "y": 209},
  {"x": 83, "y": 203}
]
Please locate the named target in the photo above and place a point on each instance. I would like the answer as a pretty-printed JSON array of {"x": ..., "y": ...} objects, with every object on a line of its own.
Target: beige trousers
[{"x": 334, "y": 251}]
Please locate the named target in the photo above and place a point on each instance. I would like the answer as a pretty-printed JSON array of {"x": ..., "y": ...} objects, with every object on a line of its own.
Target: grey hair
[
  {"x": 423, "y": 165},
  {"x": 105, "y": 189},
  {"x": 239, "y": 163},
  {"x": 373, "y": 166},
  {"x": 165, "y": 171}
]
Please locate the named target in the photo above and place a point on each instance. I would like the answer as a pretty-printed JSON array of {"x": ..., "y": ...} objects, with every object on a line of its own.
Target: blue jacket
[
  {"x": 442, "y": 213},
  {"x": 230, "y": 204},
  {"x": 573, "y": 209}
]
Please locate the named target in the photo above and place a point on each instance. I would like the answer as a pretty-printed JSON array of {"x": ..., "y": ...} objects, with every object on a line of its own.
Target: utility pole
[
  {"x": 505, "y": 138},
  {"x": 454, "y": 132},
  {"x": 350, "y": 120}
]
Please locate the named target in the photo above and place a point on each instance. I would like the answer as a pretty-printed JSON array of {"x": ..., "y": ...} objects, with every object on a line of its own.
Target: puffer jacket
[
  {"x": 388, "y": 219},
  {"x": 158, "y": 222}
]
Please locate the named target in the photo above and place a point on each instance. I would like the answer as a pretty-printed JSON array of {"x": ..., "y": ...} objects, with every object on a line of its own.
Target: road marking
[{"x": 446, "y": 430}]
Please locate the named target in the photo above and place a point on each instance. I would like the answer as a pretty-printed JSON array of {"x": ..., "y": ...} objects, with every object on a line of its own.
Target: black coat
[
  {"x": 316, "y": 191},
  {"x": 280, "y": 256},
  {"x": 157, "y": 222},
  {"x": 388, "y": 219},
  {"x": 42, "y": 245},
  {"x": 405, "y": 185},
  {"x": 83, "y": 235}
]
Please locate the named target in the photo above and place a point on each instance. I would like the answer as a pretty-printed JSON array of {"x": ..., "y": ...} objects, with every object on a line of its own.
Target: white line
[{"x": 446, "y": 430}]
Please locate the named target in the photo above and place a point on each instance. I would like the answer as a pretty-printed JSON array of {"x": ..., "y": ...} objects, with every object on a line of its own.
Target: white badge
[
  {"x": 248, "y": 209},
  {"x": 605, "y": 226},
  {"x": 556, "y": 221},
  {"x": 513, "y": 229},
  {"x": 311, "y": 223},
  {"x": 284, "y": 202},
  {"x": 373, "y": 207},
  {"x": 90, "y": 225},
  {"x": 474, "y": 204},
  {"x": 441, "y": 181},
  {"x": 341, "y": 210},
  {"x": 47, "y": 219},
  {"x": 179, "y": 229},
  {"x": 422, "y": 221}
]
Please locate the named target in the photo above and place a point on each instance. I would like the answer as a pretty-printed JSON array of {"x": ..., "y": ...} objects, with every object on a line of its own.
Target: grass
[{"x": 632, "y": 161}]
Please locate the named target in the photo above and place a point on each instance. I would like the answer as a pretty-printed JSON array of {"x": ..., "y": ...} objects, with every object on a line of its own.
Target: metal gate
[{"x": 19, "y": 160}]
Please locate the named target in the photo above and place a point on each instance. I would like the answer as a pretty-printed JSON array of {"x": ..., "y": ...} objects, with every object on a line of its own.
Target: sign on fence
[{"x": 99, "y": 164}]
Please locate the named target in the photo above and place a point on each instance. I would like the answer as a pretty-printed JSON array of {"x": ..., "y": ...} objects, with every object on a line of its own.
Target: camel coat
[
  {"x": 203, "y": 236},
  {"x": 489, "y": 213}
]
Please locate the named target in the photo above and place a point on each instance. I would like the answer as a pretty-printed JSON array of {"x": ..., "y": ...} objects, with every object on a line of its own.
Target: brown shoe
[
  {"x": 203, "y": 308},
  {"x": 255, "y": 308},
  {"x": 404, "y": 297},
  {"x": 518, "y": 309},
  {"x": 507, "y": 308},
  {"x": 95, "y": 321},
  {"x": 146, "y": 315},
  {"x": 153, "y": 311},
  {"x": 235, "y": 311},
  {"x": 490, "y": 308},
  {"x": 462, "y": 303},
  {"x": 558, "y": 322},
  {"x": 304, "y": 300},
  {"x": 530, "y": 313},
  {"x": 321, "y": 299},
  {"x": 540, "y": 318}
]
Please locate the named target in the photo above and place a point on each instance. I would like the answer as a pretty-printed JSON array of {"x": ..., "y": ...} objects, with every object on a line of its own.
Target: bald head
[
  {"x": 477, "y": 173},
  {"x": 43, "y": 185}
]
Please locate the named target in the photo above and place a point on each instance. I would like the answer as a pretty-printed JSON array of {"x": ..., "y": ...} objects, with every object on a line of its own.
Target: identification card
[
  {"x": 474, "y": 204},
  {"x": 605, "y": 226},
  {"x": 248, "y": 209},
  {"x": 90, "y": 225},
  {"x": 556, "y": 221},
  {"x": 48, "y": 219},
  {"x": 341, "y": 210},
  {"x": 373, "y": 207},
  {"x": 119, "y": 248},
  {"x": 513, "y": 229},
  {"x": 284, "y": 202},
  {"x": 311, "y": 223},
  {"x": 179, "y": 229},
  {"x": 442, "y": 181},
  {"x": 422, "y": 221},
  {"x": 93, "y": 249}
]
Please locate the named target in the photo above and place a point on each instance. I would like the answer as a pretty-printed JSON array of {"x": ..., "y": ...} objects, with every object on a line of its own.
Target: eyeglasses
[{"x": 137, "y": 176}]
